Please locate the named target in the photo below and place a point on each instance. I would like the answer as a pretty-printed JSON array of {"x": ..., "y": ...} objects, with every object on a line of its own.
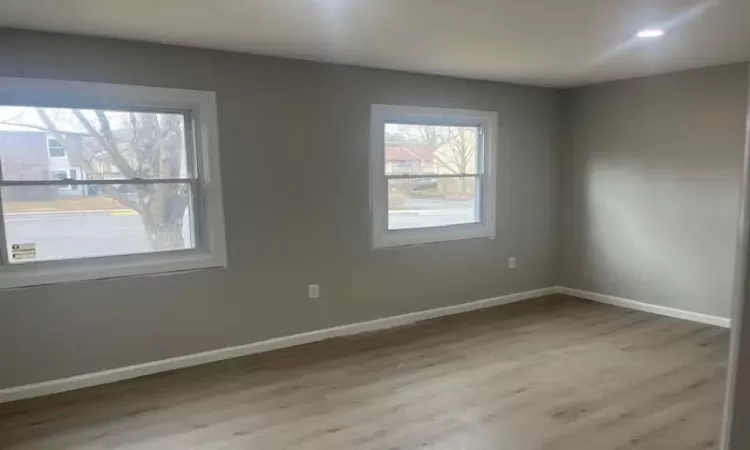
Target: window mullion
[
  {"x": 197, "y": 215},
  {"x": 88, "y": 182},
  {"x": 4, "y": 259},
  {"x": 431, "y": 175}
]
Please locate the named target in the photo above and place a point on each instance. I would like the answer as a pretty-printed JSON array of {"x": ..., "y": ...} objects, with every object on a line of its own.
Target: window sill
[
  {"x": 53, "y": 272},
  {"x": 408, "y": 237}
]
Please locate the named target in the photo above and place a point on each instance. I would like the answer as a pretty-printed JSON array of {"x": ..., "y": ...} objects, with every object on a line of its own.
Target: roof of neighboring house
[
  {"x": 19, "y": 128},
  {"x": 408, "y": 154}
]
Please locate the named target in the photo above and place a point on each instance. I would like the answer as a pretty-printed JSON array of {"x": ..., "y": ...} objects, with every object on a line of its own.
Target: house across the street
[{"x": 28, "y": 154}]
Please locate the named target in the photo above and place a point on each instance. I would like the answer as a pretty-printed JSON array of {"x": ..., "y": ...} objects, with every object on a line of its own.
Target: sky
[
  {"x": 12, "y": 118},
  {"x": 28, "y": 115}
]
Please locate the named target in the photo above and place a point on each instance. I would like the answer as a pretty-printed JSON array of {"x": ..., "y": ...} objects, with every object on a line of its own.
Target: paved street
[
  {"x": 101, "y": 233},
  {"x": 79, "y": 234},
  {"x": 431, "y": 213}
]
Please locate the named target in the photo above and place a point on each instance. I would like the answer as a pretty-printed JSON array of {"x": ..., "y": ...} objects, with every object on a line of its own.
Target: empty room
[{"x": 360, "y": 224}]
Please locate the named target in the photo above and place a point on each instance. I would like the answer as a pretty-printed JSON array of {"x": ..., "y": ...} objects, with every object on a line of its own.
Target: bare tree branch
[
  {"x": 107, "y": 143},
  {"x": 104, "y": 126},
  {"x": 432, "y": 138},
  {"x": 44, "y": 128},
  {"x": 462, "y": 151},
  {"x": 133, "y": 124},
  {"x": 109, "y": 190},
  {"x": 445, "y": 165},
  {"x": 112, "y": 192},
  {"x": 65, "y": 140}
]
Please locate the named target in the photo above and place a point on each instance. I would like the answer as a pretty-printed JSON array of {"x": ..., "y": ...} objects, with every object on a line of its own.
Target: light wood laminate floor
[{"x": 556, "y": 373}]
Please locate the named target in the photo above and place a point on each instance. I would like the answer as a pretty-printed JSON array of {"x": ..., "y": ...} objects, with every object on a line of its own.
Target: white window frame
[
  {"x": 208, "y": 212},
  {"x": 487, "y": 123}
]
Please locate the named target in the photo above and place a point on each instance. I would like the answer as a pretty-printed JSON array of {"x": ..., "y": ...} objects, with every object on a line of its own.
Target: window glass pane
[
  {"x": 432, "y": 202},
  {"x": 430, "y": 149},
  {"x": 65, "y": 222},
  {"x": 104, "y": 144}
]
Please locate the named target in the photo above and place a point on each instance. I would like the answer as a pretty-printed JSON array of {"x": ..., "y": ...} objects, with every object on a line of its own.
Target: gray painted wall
[
  {"x": 651, "y": 192},
  {"x": 294, "y": 154}
]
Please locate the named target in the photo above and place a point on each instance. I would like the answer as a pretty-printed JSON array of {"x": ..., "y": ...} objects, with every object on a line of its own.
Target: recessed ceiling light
[{"x": 650, "y": 33}]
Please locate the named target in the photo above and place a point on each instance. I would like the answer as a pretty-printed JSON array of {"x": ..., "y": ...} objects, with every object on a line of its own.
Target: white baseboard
[
  {"x": 647, "y": 307},
  {"x": 138, "y": 370}
]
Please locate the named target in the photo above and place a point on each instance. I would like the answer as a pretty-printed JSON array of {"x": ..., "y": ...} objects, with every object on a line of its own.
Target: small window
[
  {"x": 432, "y": 174},
  {"x": 137, "y": 193},
  {"x": 61, "y": 175},
  {"x": 55, "y": 148},
  {"x": 71, "y": 174}
]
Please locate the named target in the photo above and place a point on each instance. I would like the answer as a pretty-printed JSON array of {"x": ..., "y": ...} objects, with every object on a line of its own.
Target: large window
[
  {"x": 104, "y": 180},
  {"x": 432, "y": 174}
]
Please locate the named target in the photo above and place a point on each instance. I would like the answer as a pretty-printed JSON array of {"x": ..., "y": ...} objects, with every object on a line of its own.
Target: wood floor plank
[{"x": 553, "y": 373}]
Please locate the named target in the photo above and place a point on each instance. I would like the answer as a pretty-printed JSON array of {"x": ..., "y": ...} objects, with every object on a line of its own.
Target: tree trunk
[
  {"x": 164, "y": 234},
  {"x": 163, "y": 211}
]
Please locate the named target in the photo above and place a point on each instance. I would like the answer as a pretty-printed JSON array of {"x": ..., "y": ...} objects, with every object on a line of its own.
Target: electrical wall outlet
[
  {"x": 313, "y": 291},
  {"x": 512, "y": 262}
]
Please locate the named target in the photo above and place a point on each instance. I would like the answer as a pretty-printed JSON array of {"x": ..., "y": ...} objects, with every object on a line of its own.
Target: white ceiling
[{"x": 545, "y": 42}]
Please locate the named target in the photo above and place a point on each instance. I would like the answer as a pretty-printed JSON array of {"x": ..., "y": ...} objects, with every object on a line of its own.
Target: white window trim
[
  {"x": 210, "y": 248},
  {"x": 486, "y": 228}
]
